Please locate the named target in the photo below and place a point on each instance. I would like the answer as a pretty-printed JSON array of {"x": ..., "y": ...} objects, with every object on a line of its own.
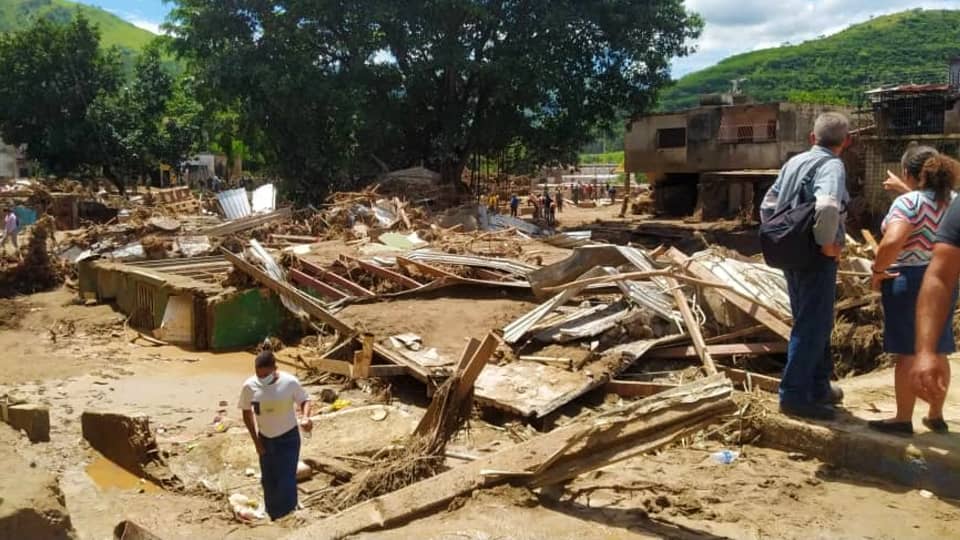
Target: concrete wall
[
  {"x": 640, "y": 145},
  {"x": 245, "y": 319}
]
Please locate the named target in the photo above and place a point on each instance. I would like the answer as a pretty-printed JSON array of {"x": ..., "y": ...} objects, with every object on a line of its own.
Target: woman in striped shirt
[{"x": 909, "y": 232}]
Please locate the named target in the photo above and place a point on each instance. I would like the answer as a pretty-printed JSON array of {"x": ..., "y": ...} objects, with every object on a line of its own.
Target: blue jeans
[
  {"x": 278, "y": 473},
  {"x": 806, "y": 379}
]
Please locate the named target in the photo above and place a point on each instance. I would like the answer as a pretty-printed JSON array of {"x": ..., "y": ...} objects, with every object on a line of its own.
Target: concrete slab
[{"x": 927, "y": 460}]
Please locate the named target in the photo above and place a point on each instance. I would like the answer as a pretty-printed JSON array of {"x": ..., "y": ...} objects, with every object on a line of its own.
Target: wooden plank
[
  {"x": 635, "y": 389},
  {"x": 332, "y": 366},
  {"x": 335, "y": 279},
  {"x": 746, "y": 332},
  {"x": 431, "y": 418},
  {"x": 415, "y": 370},
  {"x": 385, "y": 273},
  {"x": 476, "y": 364},
  {"x": 363, "y": 357},
  {"x": 729, "y": 349},
  {"x": 327, "y": 291},
  {"x": 245, "y": 223},
  {"x": 426, "y": 269},
  {"x": 388, "y": 371},
  {"x": 291, "y": 293},
  {"x": 295, "y": 238},
  {"x": 693, "y": 326},
  {"x": 758, "y": 312},
  {"x": 547, "y": 459},
  {"x": 871, "y": 241},
  {"x": 754, "y": 380},
  {"x": 469, "y": 350}
]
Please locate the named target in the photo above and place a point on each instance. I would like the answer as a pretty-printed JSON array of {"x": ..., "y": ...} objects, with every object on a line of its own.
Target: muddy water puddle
[{"x": 108, "y": 475}]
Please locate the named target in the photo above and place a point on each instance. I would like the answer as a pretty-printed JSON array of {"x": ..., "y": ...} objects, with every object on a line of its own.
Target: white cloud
[
  {"x": 738, "y": 26},
  {"x": 149, "y": 26}
]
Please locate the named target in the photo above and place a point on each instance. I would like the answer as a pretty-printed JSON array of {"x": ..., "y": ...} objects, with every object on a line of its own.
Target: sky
[{"x": 732, "y": 26}]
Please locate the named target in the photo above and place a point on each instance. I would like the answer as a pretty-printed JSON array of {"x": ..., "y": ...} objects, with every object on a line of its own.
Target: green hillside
[
  {"x": 912, "y": 46},
  {"x": 16, "y": 14}
]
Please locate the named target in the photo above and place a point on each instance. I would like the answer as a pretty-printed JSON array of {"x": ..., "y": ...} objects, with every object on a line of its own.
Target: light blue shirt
[{"x": 828, "y": 189}]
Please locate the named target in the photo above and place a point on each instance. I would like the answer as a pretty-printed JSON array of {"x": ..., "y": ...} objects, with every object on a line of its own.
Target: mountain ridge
[
  {"x": 115, "y": 31},
  {"x": 909, "y": 46}
]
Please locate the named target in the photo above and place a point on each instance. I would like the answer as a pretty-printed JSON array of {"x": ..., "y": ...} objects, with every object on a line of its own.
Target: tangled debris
[{"x": 38, "y": 271}]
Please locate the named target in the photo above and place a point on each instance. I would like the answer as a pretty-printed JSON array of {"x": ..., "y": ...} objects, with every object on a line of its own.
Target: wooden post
[
  {"x": 693, "y": 327},
  {"x": 363, "y": 357}
]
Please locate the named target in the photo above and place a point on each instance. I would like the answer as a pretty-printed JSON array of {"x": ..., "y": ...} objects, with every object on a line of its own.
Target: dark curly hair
[{"x": 932, "y": 170}]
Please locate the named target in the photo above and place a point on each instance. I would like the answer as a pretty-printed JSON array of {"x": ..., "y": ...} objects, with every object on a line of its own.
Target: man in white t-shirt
[{"x": 270, "y": 401}]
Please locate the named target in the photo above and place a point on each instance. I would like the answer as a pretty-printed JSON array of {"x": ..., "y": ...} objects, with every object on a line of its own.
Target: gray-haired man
[{"x": 805, "y": 388}]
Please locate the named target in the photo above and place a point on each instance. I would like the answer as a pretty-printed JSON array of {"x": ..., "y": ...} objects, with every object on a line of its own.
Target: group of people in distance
[{"x": 916, "y": 269}]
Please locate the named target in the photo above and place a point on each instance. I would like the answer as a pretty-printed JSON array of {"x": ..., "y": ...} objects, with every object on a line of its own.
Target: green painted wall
[{"x": 245, "y": 319}]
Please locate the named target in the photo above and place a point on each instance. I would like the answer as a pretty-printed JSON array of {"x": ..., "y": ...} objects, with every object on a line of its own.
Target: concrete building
[{"x": 717, "y": 160}]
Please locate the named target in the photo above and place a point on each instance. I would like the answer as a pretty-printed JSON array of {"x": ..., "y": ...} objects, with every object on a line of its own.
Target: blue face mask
[{"x": 268, "y": 379}]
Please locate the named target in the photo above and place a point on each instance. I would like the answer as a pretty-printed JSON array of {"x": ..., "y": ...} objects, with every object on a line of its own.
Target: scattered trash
[
  {"x": 925, "y": 494},
  {"x": 379, "y": 415},
  {"x": 340, "y": 404},
  {"x": 725, "y": 457},
  {"x": 246, "y": 509},
  {"x": 304, "y": 472}
]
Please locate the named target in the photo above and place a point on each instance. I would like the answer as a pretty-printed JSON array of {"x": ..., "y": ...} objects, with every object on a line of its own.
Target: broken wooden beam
[
  {"x": 754, "y": 309},
  {"x": 291, "y": 293},
  {"x": 385, "y": 273},
  {"x": 335, "y": 279},
  {"x": 752, "y": 380},
  {"x": 574, "y": 449},
  {"x": 364, "y": 357},
  {"x": 468, "y": 369},
  {"x": 730, "y": 349},
  {"x": 246, "y": 223},
  {"x": 566, "y": 363},
  {"x": 636, "y": 389},
  {"x": 320, "y": 287},
  {"x": 426, "y": 269}
]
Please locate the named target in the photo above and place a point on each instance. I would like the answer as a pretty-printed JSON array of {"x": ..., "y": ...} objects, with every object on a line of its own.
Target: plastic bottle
[{"x": 725, "y": 457}]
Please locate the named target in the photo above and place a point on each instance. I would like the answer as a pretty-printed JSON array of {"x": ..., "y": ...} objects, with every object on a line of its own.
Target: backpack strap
[{"x": 811, "y": 174}]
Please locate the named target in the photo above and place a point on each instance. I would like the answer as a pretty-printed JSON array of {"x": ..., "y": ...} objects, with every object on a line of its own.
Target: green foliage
[
  {"x": 336, "y": 87},
  {"x": 602, "y": 158},
  {"x": 52, "y": 74},
  {"x": 912, "y": 46},
  {"x": 64, "y": 98},
  {"x": 114, "y": 31}
]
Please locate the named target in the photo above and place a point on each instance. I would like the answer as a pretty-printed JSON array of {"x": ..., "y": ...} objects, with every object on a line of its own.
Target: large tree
[
  {"x": 50, "y": 75},
  {"x": 332, "y": 83},
  {"x": 68, "y": 100}
]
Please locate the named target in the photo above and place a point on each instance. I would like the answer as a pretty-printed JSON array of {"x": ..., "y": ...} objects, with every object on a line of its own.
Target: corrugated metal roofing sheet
[{"x": 234, "y": 203}]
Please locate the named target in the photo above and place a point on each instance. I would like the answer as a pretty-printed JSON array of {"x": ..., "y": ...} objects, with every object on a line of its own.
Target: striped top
[{"x": 919, "y": 209}]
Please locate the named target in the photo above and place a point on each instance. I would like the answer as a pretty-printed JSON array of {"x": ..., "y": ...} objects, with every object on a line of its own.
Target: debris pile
[{"x": 38, "y": 271}]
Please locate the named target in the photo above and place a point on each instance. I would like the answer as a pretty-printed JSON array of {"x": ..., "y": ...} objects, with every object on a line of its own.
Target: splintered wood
[
  {"x": 423, "y": 453},
  {"x": 565, "y": 453}
]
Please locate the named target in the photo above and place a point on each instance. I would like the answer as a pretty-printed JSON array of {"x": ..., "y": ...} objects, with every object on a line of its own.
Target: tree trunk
[{"x": 116, "y": 181}]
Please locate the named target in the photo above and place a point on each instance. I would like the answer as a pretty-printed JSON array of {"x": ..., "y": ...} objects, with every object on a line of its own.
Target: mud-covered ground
[{"x": 73, "y": 358}]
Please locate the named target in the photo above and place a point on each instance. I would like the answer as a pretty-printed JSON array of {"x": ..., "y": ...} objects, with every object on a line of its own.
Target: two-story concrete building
[{"x": 717, "y": 160}]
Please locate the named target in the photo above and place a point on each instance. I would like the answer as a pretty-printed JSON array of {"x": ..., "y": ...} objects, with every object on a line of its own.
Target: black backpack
[{"x": 786, "y": 239}]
